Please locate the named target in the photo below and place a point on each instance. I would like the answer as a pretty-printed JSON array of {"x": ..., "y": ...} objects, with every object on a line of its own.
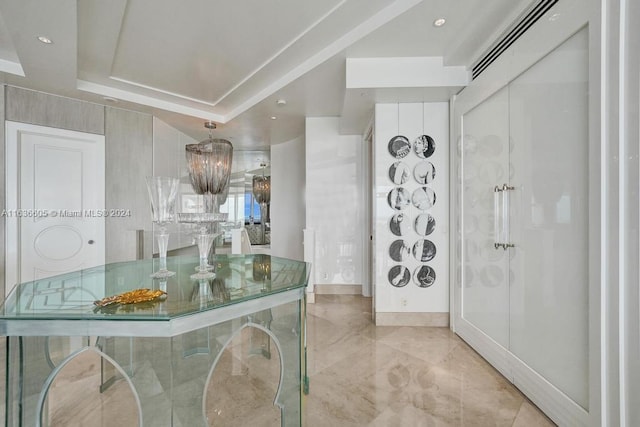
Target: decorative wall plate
[
  {"x": 398, "y": 198},
  {"x": 424, "y": 250},
  {"x": 424, "y": 172},
  {"x": 399, "y": 173},
  {"x": 424, "y": 224},
  {"x": 399, "y": 276},
  {"x": 423, "y": 198},
  {"x": 400, "y": 224},
  {"x": 424, "y": 146},
  {"x": 399, "y": 250},
  {"x": 424, "y": 276},
  {"x": 399, "y": 146}
]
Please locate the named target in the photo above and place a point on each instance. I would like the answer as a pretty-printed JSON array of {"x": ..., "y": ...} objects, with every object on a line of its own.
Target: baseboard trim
[
  {"x": 338, "y": 290},
  {"x": 311, "y": 298},
  {"x": 440, "y": 320}
]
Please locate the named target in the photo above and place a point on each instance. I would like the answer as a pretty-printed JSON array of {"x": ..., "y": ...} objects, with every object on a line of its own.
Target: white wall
[
  {"x": 621, "y": 260},
  {"x": 411, "y": 120},
  {"x": 287, "y": 199},
  {"x": 334, "y": 182}
]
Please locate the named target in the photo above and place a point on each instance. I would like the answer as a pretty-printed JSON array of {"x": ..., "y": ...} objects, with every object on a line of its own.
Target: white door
[
  {"x": 55, "y": 201},
  {"x": 486, "y": 267},
  {"x": 530, "y": 178},
  {"x": 551, "y": 212}
]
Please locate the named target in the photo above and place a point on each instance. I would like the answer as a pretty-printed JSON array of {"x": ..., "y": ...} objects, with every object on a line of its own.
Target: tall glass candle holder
[
  {"x": 203, "y": 238},
  {"x": 162, "y": 194}
]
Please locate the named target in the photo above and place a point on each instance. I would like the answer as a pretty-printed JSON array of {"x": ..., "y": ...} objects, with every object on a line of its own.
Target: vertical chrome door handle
[
  {"x": 506, "y": 226},
  {"x": 497, "y": 211}
]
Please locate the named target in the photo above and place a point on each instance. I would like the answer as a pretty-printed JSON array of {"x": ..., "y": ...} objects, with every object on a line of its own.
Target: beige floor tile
[
  {"x": 429, "y": 344},
  {"x": 74, "y": 398},
  {"x": 360, "y": 386},
  {"x": 244, "y": 399},
  {"x": 531, "y": 416}
]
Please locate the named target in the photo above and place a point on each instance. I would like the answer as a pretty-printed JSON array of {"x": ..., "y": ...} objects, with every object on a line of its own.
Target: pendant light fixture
[
  {"x": 261, "y": 186},
  {"x": 209, "y": 166}
]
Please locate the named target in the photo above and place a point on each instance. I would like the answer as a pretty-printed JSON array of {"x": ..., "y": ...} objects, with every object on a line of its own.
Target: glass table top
[{"x": 71, "y": 296}]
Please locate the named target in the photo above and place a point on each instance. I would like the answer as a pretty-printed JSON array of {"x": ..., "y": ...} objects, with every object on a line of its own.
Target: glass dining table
[{"x": 184, "y": 331}]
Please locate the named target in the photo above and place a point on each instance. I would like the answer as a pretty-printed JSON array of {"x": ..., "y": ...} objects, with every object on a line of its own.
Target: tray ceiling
[{"x": 229, "y": 61}]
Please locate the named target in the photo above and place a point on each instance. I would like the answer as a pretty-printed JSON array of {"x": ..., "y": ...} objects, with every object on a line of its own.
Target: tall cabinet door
[
  {"x": 485, "y": 159},
  {"x": 550, "y": 218},
  {"x": 527, "y": 297}
]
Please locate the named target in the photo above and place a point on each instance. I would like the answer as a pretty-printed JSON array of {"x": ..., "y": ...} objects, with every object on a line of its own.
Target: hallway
[{"x": 361, "y": 374}]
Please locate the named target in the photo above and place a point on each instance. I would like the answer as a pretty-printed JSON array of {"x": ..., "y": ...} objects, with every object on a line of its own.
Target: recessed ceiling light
[
  {"x": 273, "y": 117},
  {"x": 45, "y": 40},
  {"x": 439, "y": 22},
  {"x": 281, "y": 102}
]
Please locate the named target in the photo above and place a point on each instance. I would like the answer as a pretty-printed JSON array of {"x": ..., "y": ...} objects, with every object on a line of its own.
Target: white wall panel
[
  {"x": 629, "y": 211},
  {"x": 39, "y": 108},
  {"x": 2, "y": 193},
  {"x": 288, "y": 199},
  {"x": 129, "y": 143},
  {"x": 411, "y": 120},
  {"x": 332, "y": 187}
]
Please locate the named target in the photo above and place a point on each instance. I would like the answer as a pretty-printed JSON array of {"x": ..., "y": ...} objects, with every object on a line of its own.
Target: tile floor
[
  {"x": 360, "y": 375},
  {"x": 366, "y": 375}
]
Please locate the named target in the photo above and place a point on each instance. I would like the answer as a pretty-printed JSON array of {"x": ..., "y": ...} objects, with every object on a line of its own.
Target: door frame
[
  {"x": 368, "y": 268},
  {"x": 12, "y": 172},
  {"x": 544, "y": 36}
]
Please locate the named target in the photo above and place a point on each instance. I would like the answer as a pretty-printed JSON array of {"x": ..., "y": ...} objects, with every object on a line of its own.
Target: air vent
[{"x": 513, "y": 33}]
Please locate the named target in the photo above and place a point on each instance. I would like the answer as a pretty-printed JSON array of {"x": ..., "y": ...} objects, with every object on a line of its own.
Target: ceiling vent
[{"x": 513, "y": 33}]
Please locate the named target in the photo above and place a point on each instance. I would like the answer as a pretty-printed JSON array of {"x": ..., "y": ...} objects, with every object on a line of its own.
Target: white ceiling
[{"x": 191, "y": 60}]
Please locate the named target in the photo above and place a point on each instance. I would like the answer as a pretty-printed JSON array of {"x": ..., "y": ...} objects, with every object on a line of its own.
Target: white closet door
[
  {"x": 485, "y": 289},
  {"x": 550, "y": 218}
]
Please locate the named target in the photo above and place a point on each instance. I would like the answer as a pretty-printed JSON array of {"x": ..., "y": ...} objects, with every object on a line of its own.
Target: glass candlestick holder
[
  {"x": 203, "y": 238},
  {"x": 162, "y": 194}
]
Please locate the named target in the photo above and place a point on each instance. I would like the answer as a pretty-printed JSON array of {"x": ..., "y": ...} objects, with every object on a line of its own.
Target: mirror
[{"x": 240, "y": 204}]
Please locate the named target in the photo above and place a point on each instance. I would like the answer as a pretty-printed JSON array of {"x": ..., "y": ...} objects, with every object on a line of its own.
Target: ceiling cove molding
[
  {"x": 279, "y": 52},
  {"x": 11, "y": 67},
  {"x": 377, "y": 20},
  {"x": 166, "y": 92},
  {"x": 403, "y": 72},
  {"x": 148, "y": 100}
]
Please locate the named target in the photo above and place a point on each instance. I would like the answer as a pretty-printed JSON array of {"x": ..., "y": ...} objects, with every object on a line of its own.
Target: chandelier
[
  {"x": 261, "y": 186},
  {"x": 209, "y": 166},
  {"x": 262, "y": 189}
]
